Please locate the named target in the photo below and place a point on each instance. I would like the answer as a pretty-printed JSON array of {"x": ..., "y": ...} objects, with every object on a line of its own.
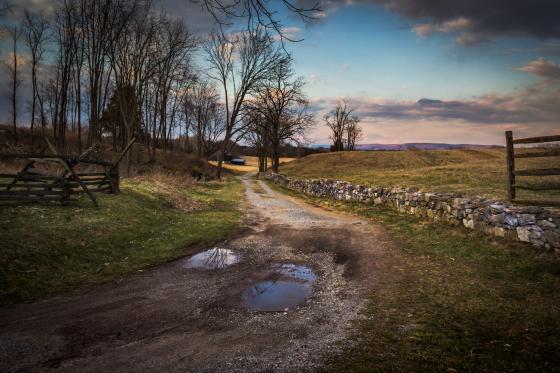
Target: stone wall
[{"x": 536, "y": 225}]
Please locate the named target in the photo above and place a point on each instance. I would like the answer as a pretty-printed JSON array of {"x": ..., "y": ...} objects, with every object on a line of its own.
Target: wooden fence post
[{"x": 510, "y": 165}]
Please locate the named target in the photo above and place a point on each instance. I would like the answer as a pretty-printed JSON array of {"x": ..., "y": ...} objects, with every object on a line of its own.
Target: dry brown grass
[
  {"x": 251, "y": 164},
  {"x": 471, "y": 172}
]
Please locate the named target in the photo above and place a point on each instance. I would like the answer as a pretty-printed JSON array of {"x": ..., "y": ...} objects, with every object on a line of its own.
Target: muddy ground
[{"x": 171, "y": 318}]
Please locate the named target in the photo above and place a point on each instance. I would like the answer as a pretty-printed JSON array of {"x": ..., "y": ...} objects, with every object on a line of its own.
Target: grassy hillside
[
  {"x": 472, "y": 172},
  {"x": 46, "y": 249}
]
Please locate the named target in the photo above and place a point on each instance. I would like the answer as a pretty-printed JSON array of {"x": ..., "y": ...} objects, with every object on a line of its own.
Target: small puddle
[
  {"x": 215, "y": 258},
  {"x": 287, "y": 286}
]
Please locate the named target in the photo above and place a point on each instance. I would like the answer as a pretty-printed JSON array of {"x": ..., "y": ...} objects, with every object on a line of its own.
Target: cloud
[
  {"x": 346, "y": 67},
  {"x": 292, "y": 33},
  {"x": 451, "y": 25},
  {"x": 534, "y": 104},
  {"x": 481, "y": 18},
  {"x": 543, "y": 68},
  {"x": 530, "y": 112},
  {"x": 459, "y": 24}
]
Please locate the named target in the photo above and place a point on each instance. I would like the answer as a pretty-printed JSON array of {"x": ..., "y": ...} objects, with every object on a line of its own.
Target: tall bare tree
[
  {"x": 130, "y": 55},
  {"x": 35, "y": 33},
  {"x": 65, "y": 37},
  {"x": 257, "y": 137},
  {"x": 281, "y": 106},
  {"x": 12, "y": 64},
  {"x": 339, "y": 120},
  {"x": 204, "y": 115},
  {"x": 354, "y": 133},
  {"x": 102, "y": 22},
  {"x": 240, "y": 63}
]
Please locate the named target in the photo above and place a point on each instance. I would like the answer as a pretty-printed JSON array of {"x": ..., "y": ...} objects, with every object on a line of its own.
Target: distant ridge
[
  {"x": 422, "y": 146},
  {"x": 415, "y": 146}
]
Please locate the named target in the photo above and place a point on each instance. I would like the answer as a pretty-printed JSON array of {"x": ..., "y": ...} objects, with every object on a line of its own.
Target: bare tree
[
  {"x": 282, "y": 108},
  {"x": 102, "y": 22},
  {"x": 257, "y": 137},
  {"x": 339, "y": 120},
  {"x": 205, "y": 116},
  {"x": 129, "y": 55},
  {"x": 12, "y": 64},
  {"x": 354, "y": 133},
  {"x": 171, "y": 61},
  {"x": 35, "y": 33},
  {"x": 240, "y": 65},
  {"x": 65, "y": 37}
]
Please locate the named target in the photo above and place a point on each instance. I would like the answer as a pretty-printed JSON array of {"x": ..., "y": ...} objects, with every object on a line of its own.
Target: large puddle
[
  {"x": 287, "y": 286},
  {"x": 215, "y": 258}
]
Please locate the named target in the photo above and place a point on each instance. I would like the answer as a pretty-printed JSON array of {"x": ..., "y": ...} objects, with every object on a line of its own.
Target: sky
[{"x": 460, "y": 71}]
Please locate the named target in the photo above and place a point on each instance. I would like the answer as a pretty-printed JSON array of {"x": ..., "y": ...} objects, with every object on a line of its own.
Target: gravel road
[{"x": 177, "y": 319}]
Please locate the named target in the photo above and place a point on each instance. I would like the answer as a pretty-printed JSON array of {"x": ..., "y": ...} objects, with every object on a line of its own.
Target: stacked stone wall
[{"x": 532, "y": 224}]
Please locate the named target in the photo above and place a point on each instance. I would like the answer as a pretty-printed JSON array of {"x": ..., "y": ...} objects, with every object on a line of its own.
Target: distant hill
[
  {"x": 422, "y": 146},
  {"x": 414, "y": 146}
]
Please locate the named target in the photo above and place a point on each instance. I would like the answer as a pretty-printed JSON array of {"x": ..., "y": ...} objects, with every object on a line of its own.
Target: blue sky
[
  {"x": 367, "y": 50},
  {"x": 488, "y": 65},
  {"x": 367, "y": 53}
]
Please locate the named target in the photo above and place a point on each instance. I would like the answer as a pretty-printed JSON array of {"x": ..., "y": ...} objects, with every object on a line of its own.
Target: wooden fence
[
  {"x": 511, "y": 156},
  {"x": 55, "y": 177}
]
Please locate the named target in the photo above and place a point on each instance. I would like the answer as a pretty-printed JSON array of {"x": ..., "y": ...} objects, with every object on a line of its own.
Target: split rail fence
[
  {"x": 512, "y": 173},
  {"x": 55, "y": 176}
]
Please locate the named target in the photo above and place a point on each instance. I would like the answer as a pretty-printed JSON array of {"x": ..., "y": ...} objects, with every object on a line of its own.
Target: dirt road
[{"x": 173, "y": 318}]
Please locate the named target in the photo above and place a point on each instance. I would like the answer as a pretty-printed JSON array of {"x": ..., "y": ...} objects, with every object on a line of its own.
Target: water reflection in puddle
[
  {"x": 215, "y": 258},
  {"x": 287, "y": 286}
]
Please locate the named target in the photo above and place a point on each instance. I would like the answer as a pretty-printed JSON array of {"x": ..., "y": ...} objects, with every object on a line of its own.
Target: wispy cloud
[{"x": 542, "y": 68}]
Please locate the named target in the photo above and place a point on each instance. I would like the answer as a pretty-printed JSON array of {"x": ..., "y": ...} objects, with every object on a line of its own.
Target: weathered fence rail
[
  {"x": 57, "y": 176},
  {"x": 512, "y": 173}
]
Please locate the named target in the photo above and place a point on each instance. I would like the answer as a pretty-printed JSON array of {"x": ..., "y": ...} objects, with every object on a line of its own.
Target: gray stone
[
  {"x": 526, "y": 219},
  {"x": 546, "y": 224},
  {"x": 533, "y": 224},
  {"x": 497, "y": 219},
  {"x": 511, "y": 220},
  {"x": 523, "y": 234}
]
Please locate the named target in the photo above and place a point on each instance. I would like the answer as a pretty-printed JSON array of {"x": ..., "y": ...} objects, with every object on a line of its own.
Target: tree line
[{"x": 118, "y": 69}]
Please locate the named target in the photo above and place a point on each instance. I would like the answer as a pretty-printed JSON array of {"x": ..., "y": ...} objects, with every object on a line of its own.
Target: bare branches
[
  {"x": 279, "y": 112},
  {"x": 240, "y": 64},
  {"x": 12, "y": 64},
  {"x": 259, "y": 14},
  {"x": 345, "y": 131},
  {"x": 204, "y": 115},
  {"x": 35, "y": 33}
]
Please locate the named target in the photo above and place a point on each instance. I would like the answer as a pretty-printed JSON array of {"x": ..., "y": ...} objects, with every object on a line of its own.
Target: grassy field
[
  {"x": 251, "y": 164},
  {"x": 472, "y": 172},
  {"x": 449, "y": 299},
  {"x": 49, "y": 249}
]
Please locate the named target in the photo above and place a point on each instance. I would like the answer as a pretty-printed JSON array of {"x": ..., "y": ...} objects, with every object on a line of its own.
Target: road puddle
[
  {"x": 287, "y": 286},
  {"x": 215, "y": 258}
]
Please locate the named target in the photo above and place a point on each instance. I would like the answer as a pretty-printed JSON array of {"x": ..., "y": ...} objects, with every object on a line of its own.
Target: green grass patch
[
  {"x": 47, "y": 249},
  {"x": 450, "y": 299}
]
